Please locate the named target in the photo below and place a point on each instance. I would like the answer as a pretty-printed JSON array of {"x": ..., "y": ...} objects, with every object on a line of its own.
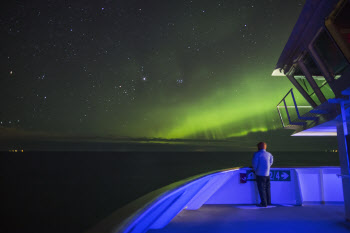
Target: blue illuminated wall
[{"x": 317, "y": 185}]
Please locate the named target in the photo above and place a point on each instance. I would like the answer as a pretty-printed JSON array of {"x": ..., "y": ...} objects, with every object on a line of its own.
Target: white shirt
[{"x": 262, "y": 161}]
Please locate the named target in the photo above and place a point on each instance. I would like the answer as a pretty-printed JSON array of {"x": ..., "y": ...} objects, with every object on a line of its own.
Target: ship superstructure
[{"x": 316, "y": 59}]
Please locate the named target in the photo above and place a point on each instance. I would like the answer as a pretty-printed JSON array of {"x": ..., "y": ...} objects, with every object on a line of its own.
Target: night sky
[{"x": 154, "y": 69}]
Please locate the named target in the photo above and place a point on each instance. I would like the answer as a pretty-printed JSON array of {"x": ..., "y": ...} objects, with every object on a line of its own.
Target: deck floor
[{"x": 248, "y": 218}]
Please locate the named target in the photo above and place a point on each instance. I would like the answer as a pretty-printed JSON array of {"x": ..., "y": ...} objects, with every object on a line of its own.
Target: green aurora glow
[
  {"x": 235, "y": 109},
  {"x": 175, "y": 70}
]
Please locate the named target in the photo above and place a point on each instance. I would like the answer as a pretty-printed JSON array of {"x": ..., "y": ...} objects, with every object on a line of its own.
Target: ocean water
[{"x": 72, "y": 191}]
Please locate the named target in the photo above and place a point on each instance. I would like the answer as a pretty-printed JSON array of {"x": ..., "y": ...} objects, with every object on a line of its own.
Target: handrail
[
  {"x": 284, "y": 97},
  {"x": 296, "y": 109},
  {"x": 119, "y": 220}
]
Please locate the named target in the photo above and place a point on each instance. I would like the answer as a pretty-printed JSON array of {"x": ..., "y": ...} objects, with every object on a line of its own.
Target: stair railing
[{"x": 296, "y": 109}]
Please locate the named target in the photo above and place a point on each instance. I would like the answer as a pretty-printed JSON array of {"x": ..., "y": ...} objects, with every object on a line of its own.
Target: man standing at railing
[{"x": 262, "y": 161}]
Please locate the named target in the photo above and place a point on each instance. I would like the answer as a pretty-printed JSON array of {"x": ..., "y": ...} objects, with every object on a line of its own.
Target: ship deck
[{"x": 249, "y": 218}]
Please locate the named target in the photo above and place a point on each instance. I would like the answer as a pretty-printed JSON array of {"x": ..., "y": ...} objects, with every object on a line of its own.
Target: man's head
[{"x": 262, "y": 145}]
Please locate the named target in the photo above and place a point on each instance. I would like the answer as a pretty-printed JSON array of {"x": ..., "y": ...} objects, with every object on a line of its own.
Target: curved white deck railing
[{"x": 305, "y": 185}]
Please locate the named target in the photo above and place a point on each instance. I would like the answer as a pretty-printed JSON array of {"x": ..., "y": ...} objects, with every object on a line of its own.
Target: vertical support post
[
  {"x": 322, "y": 186},
  {"x": 345, "y": 132},
  {"x": 342, "y": 132},
  {"x": 298, "y": 193},
  {"x": 343, "y": 117},
  {"x": 285, "y": 105},
  {"x": 295, "y": 104},
  {"x": 279, "y": 113}
]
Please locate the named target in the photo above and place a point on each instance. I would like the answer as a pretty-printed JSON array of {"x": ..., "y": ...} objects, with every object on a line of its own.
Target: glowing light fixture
[{"x": 278, "y": 72}]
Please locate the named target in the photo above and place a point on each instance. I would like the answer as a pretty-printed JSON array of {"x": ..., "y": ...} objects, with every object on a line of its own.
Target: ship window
[
  {"x": 324, "y": 87},
  {"x": 318, "y": 77},
  {"x": 342, "y": 22},
  {"x": 330, "y": 53},
  {"x": 304, "y": 83}
]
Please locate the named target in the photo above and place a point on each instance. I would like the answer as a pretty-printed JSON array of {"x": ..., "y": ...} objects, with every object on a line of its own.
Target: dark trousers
[{"x": 263, "y": 183}]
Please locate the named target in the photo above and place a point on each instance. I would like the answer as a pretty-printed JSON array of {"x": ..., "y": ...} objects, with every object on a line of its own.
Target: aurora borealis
[{"x": 153, "y": 69}]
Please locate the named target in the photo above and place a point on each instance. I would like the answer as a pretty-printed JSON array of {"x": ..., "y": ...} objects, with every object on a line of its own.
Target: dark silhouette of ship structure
[{"x": 316, "y": 60}]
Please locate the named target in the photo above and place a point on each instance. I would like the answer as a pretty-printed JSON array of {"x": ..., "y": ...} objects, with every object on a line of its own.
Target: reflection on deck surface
[{"x": 247, "y": 218}]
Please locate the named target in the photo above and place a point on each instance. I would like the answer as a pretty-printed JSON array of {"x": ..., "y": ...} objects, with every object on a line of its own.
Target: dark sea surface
[{"x": 72, "y": 191}]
